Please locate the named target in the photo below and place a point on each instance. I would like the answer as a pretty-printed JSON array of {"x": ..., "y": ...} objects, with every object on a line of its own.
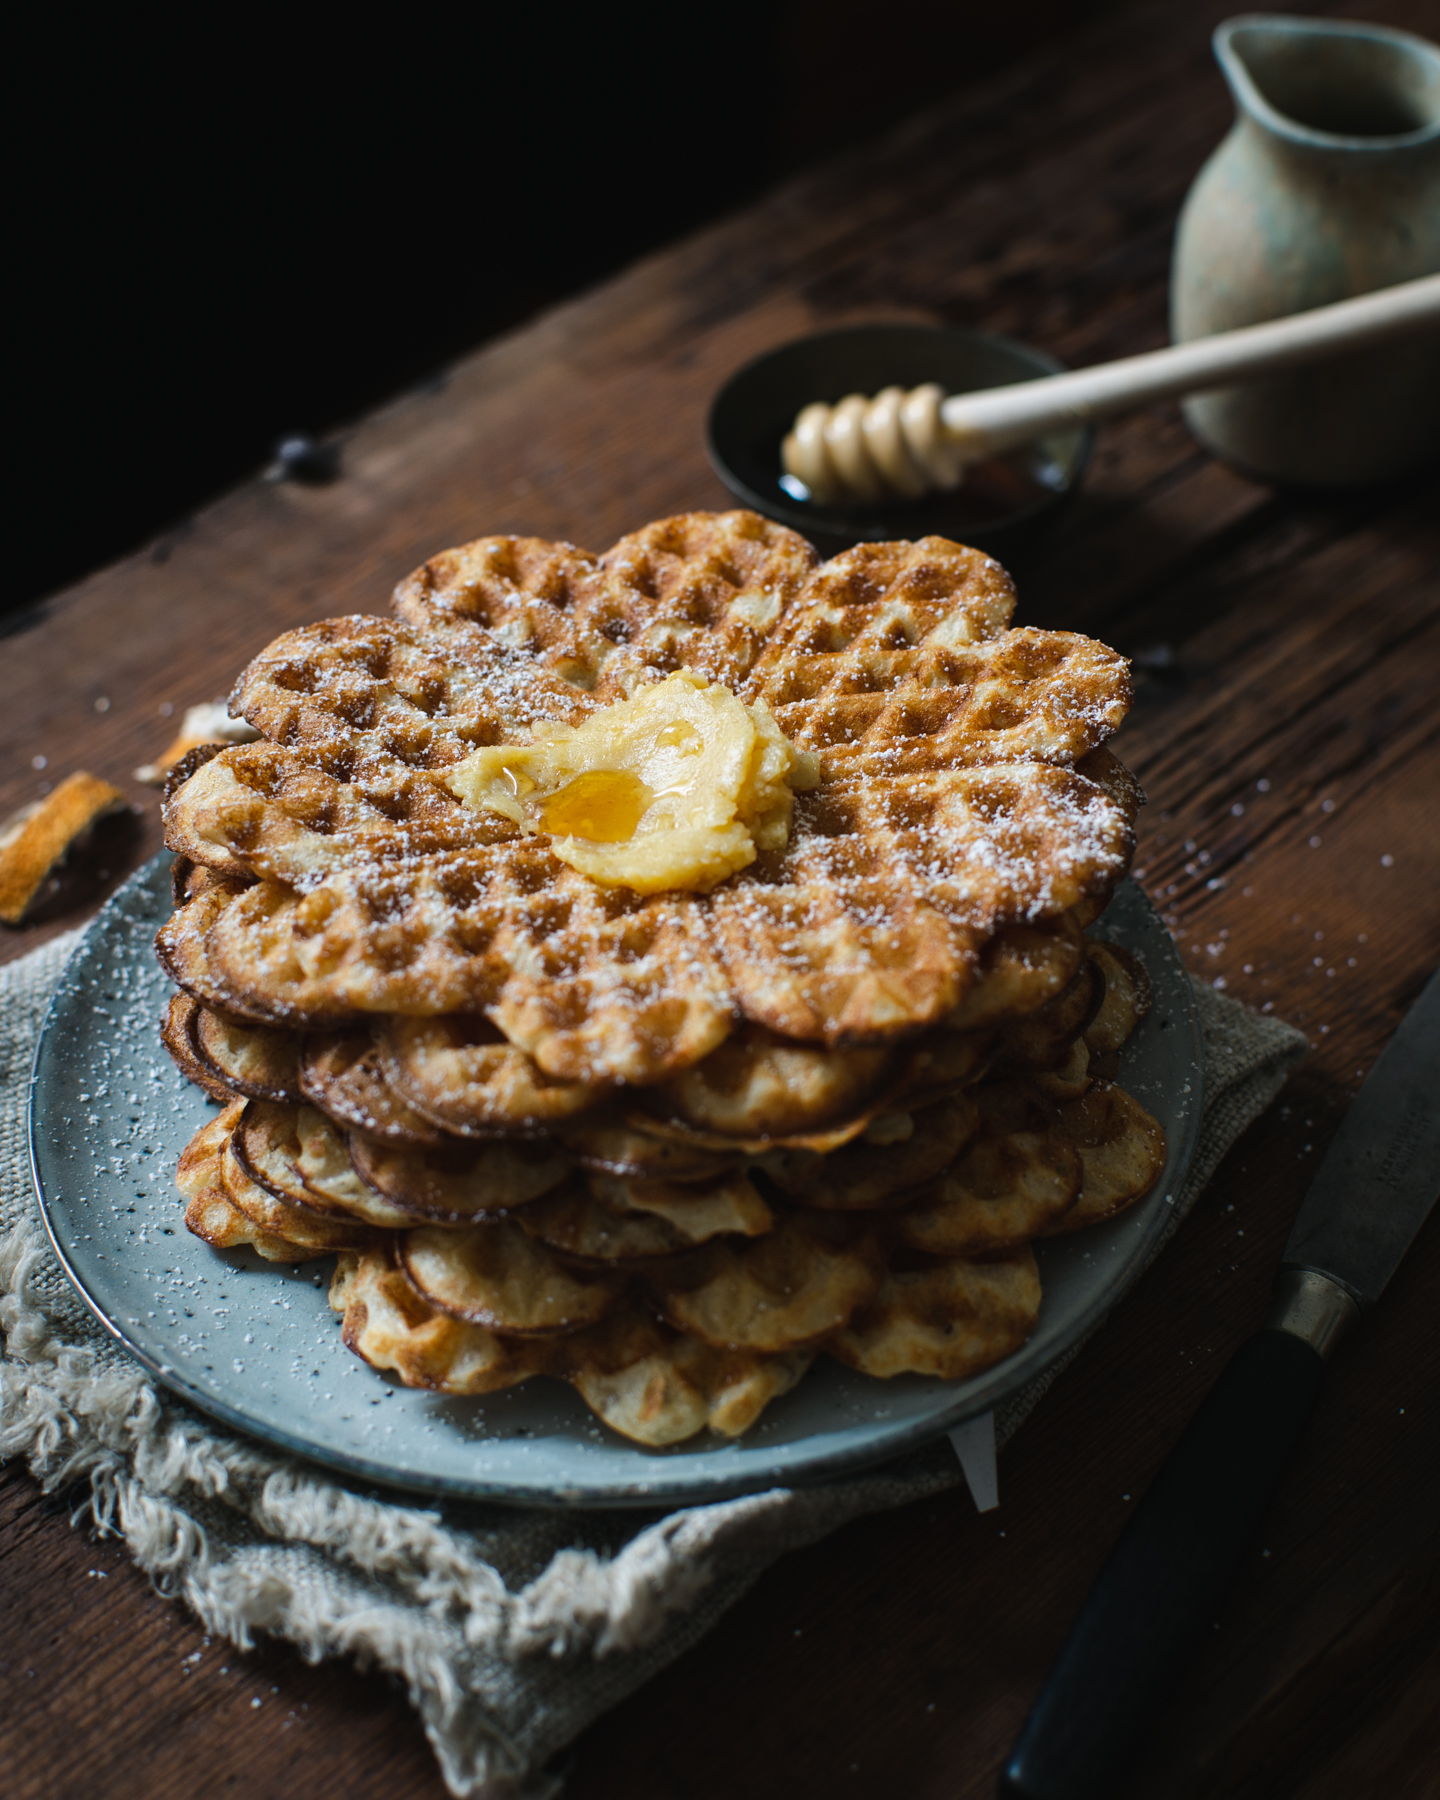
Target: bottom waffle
[{"x": 678, "y": 1265}]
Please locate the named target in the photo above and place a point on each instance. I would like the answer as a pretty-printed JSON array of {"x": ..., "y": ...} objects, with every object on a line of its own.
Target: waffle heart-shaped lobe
[
  {"x": 660, "y": 1386},
  {"x": 211, "y": 1213},
  {"x": 584, "y": 1229},
  {"x": 1128, "y": 997},
  {"x": 787, "y": 1289},
  {"x": 1121, "y": 1148},
  {"x": 497, "y": 1276},
  {"x": 454, "y": 1183},
  {"x": 949, "y": 803},
  {"x": 945, "y": 1316},
  {"x": 287, "y": 1218},
  {"x": 389, "y": 1324},
  {"x": 883, "y": 1170},
  {"x": 701, "y": 591},
  {"x": 1017, "y": 1178}
]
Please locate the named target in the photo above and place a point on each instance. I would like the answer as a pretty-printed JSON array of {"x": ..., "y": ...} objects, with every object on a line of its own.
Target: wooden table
[{"x": 1287, "y": 732}]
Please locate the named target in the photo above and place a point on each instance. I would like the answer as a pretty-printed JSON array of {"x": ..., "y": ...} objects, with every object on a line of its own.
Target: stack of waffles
[{"x": 666, "y": 1147}]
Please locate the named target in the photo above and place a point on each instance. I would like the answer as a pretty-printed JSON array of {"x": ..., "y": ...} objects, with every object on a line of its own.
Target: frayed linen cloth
[{"x": 511, "y": 1628}]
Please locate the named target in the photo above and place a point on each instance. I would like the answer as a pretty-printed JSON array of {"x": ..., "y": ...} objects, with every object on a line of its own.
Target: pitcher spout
[{"x": 1328, "y": 185}]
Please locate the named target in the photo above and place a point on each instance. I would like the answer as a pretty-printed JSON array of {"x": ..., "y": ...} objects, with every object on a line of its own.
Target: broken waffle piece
[{"x": 42, "y": 836}]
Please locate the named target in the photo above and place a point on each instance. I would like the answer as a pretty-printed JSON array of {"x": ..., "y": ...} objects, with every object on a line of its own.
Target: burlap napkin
[{"x": 511, "y": 1628}]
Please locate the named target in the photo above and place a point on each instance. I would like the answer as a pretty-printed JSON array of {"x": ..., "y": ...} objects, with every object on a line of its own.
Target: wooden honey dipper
[{"x": 903, "y": 445}]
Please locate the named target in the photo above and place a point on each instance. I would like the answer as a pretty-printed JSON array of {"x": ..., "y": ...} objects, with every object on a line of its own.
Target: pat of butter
[{"x": 676, "y": 787}]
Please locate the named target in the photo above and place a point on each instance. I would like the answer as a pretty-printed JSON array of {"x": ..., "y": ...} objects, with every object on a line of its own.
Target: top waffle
[{"x": 350, "y": 881}]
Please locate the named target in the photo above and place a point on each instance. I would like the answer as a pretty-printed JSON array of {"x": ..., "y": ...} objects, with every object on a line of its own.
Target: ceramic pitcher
[{"x": 1328, "y": 185}]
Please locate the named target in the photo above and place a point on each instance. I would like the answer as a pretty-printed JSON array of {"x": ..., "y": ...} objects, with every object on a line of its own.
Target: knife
[{"x": 1163, "y": 1583}]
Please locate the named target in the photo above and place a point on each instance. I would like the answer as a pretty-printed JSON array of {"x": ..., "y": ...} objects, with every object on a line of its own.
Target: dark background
[{"x": 238, "y": 225}]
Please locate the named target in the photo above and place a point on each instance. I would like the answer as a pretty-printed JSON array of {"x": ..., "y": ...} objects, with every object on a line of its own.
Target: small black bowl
[{"x": 999, "y": 500}]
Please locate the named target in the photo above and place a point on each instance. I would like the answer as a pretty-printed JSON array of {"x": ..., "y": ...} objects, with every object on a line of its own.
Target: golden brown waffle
[
  {"x": 1126, "y": 1001},
  {"x": 872, "y": 922},
  {"x": 652, "y": 1384},
  {"x": 230, "y": 1057},
  {"x": 585, "y": 1229},
  {"x": 381, "y": 893},
  {"x": 175, "y": 1034},
  {"x": 473, "y": 1309},
  {"x": 282, "y": 1219},
  {"x": 792, "y": 1287},
  {"x": 697, "y": 1209},
  {"x": 883, "y": 1167},
  {"x": 296, "y": 1155},
  {"x": 1043, "y": 1039}
]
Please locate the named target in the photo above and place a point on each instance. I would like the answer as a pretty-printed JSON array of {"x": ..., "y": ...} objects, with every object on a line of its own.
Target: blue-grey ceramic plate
[{"x": 256, "y": 1345}]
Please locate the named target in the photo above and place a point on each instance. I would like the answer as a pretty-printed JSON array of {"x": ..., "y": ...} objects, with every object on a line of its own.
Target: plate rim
[{"x": 653, "y": 1491}]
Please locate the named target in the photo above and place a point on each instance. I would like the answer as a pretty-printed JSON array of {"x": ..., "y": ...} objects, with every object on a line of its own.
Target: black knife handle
[{"x": 1159, "y": 1592}]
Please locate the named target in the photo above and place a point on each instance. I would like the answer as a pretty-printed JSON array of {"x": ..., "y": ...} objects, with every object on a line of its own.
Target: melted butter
[
  {"x": 677, "y": 787},
  {"x": 603, "y": 805}
]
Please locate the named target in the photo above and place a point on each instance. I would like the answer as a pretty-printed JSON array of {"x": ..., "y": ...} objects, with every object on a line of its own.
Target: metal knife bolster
[
  {"x": 1375, "y": 1188},
  {"x": 1314, "y": 1308}
]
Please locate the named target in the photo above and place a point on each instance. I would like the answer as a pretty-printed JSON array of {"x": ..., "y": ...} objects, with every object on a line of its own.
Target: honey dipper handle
[{"x": 996, "y": 419}]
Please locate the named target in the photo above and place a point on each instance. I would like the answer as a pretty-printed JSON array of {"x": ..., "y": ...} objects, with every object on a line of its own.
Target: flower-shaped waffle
[
  {"x": 664, "y": 1145},
  {"x": 948, "y": 801}
]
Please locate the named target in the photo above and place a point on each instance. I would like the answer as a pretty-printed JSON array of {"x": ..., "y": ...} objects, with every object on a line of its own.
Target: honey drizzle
[{"x": 603, "y": 805}]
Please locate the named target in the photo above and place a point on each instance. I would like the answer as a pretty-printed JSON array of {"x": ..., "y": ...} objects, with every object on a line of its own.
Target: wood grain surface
[{"x": 1288, "y": 733}]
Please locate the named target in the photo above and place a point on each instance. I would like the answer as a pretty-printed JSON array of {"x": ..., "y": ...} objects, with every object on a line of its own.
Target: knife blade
[
  {"x": 1167, "y": 1574},
  {"x": 1381, "y": 1173}
]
